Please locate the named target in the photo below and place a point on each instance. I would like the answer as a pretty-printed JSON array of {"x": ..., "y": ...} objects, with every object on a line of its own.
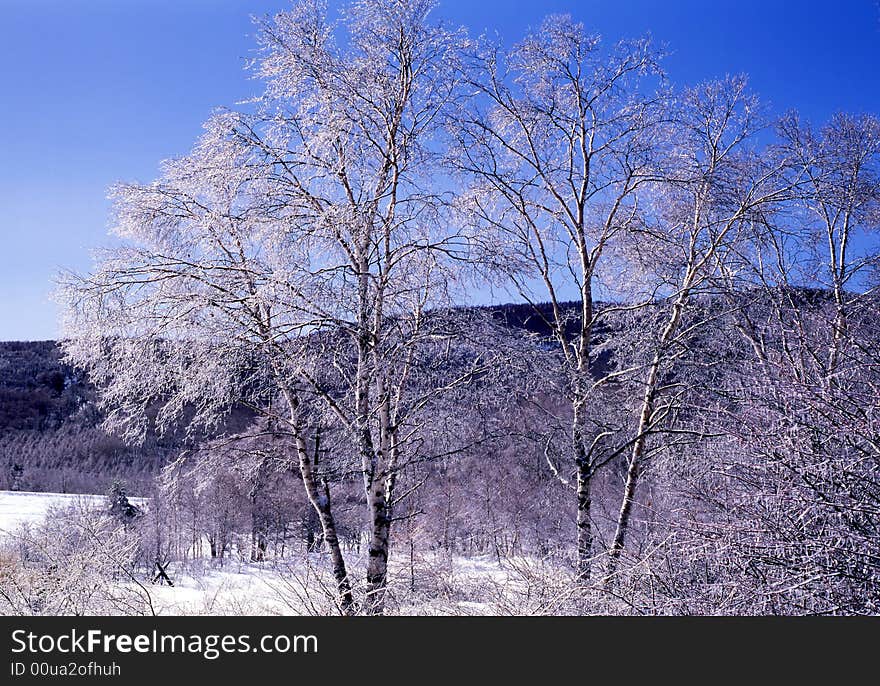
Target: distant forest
[
  {"x": 51, "y": 438},
  {"x": 50, "y": 433}
]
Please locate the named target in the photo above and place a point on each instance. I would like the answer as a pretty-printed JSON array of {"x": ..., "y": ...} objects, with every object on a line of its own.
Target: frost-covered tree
[
  {"x": 78, "y": 561},
  {"x": 806, "y": 434},
  {"x": 838, "y": 208},
  {"x": 121, "y": 508},
  {"x": 559, "y": 140},
  {"x": 717, "y": 183},
  {"x": 289, "y": 263}
]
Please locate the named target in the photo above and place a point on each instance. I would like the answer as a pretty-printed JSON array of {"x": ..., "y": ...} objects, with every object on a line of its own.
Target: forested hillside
[
  {"x": 51, "y": 438},
  {"x": 50, "y": 433}
]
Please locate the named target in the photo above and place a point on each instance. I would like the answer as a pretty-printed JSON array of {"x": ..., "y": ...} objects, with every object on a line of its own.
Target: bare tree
[
  {"x": 79, "y": 561},
  {"x": 777, "y": 511},
  {"x": 558, "y": 142},
  {"x": 807, "y": 440},
  {"x": 840, "y": 198},
  {"x": 288, "y": 263},
  {"x": 717, "y": 185},
  {"x": 284, "y": 300}
]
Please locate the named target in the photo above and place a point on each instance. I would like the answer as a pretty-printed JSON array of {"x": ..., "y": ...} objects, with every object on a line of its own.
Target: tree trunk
[
  {"x": 259, "y": 518},
  {"x": 319, "y": 497},
  {"x": 259, "y": 544},
  {"x": 584, "y": 523},
  {"x": 581, "y": 458},
  {"x": 377, "y": 562},
  {"x": 633, "y": 471},
  {"x": 379, "y": 499}
]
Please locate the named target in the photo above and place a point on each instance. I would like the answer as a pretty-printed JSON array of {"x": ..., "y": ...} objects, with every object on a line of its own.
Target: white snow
[
  {"x": 299, "y": 585},
  {"x": 20, "y": 507}
]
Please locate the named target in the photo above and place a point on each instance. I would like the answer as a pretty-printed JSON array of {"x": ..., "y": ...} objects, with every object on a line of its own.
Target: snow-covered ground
[
  {"x": 469, "y": 586},
  {"x": 435, "y": 584},
  {"x": 20, "y": 507},
  {"x": 236, "y": 588}
]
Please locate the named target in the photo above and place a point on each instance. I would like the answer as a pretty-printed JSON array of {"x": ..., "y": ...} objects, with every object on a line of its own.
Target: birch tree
[
  {"x": 807, "y": 438},
  {"x": 717, "y": 183},
  {"x": 558, "y": 142},
  {"x": 290, "y": 262},
  {"x": 839, "y": 200}
]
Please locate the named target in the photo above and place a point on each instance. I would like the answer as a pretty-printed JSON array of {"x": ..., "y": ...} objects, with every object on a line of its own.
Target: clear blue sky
[{"x": 94, "y": 91}]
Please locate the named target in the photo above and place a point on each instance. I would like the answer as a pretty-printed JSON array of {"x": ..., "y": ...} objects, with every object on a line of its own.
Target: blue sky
[{"x": 95, "y": 91}]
